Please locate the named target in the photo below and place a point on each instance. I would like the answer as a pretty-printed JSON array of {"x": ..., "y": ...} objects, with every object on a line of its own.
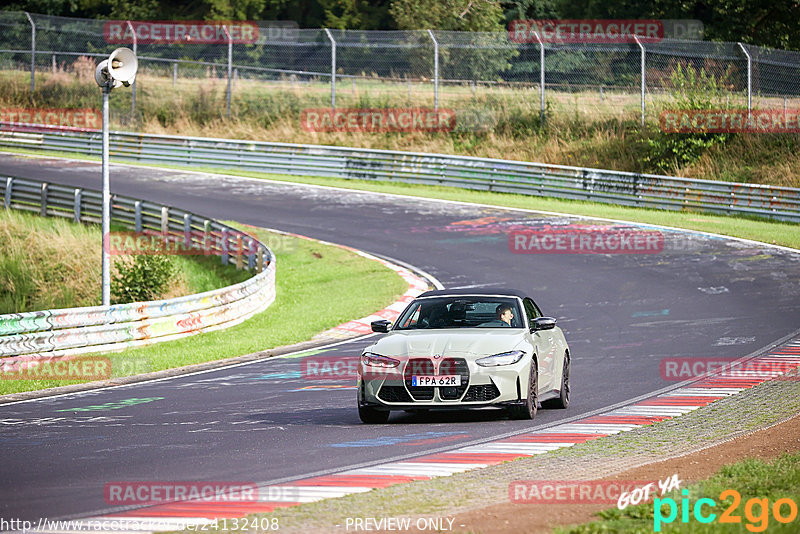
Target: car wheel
[
  {"x": 528, "y": 409},
  {"x": 371, "y": 416},
  {"x": 563, "y": 400}
]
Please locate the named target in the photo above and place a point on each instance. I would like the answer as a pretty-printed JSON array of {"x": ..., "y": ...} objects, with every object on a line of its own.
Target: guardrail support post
[
  {"x": 33, "y": 52},
  {"x": 187, "y": 230},
  {"x": 435, "y": 70},
  {"x": 137, "y": 216},
  {"x": 333, "y": 67},
  {"x": 43, "y": 208},
  {"x": 224, "y": 256},
  {"x": 749, "y": 81},
  {"x": 251, "y": 258},
  {"x": 642, "y": 73},
  {"x": 164, "y": 220},
  {"x": 76, "y": 206},
  {"x": 9, "y": 186},
  {"x": 239, "y": 251}
]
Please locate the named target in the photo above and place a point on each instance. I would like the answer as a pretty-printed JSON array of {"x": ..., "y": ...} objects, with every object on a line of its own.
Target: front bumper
[{"x": 480, "y": 386}]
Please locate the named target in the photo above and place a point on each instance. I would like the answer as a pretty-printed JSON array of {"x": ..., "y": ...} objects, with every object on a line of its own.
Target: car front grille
[
  {"x": 481, "y": 393},
  {"x": 454, "y": 366},
  {"x": 419, "y": 366},
  {"x": 394, "y": 394}
]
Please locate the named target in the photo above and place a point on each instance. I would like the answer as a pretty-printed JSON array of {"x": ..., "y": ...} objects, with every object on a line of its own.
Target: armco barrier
[
  {"x": 507, "y": 176},
  {"x": 80, "y": 330}
]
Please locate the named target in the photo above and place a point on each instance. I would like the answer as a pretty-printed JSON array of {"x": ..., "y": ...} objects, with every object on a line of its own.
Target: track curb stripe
[{"x": 621, "y": 419}]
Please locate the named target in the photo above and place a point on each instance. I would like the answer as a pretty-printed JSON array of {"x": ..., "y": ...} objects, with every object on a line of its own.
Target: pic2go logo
[{"x": 756, "y": 511}]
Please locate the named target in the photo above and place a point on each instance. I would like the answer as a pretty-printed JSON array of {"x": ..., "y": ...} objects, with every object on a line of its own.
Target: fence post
[
  {"x": 749, "y": 81},
  {"x": 9, "y": 186},
  {"x": 174, "y": 74},
  {"x": 133, "y": 85},
  {"x": 643, "y": 71},
  {"x": 230, "y": 69},
  {"x": 333, "y": 67},
  {"x": 33, "y": 52},
  {"x": 541, "y": 75},
  {"x": 435, "y": 70},
  {"x": 54, "y": 63}
]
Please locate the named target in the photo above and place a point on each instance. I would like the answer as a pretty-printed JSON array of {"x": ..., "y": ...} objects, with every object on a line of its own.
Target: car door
[{"x": 544, "y": 342}]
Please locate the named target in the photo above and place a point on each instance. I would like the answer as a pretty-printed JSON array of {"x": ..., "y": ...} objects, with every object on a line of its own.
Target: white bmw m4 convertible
[{"x": 465, "y": 349}]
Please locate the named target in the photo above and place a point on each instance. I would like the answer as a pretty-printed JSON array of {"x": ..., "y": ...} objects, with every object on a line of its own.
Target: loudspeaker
[{"x": 122, "y": 65}]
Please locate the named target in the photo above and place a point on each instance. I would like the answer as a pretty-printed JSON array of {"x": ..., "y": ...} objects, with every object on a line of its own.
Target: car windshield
[{"x": 460, "y": 312}]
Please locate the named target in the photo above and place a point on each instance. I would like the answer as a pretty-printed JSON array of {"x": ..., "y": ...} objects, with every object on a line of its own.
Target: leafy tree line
[{"x": 762, "y": 22}]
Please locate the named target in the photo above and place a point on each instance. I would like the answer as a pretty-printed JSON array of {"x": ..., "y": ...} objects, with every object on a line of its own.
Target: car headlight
[
  {"x": 376, "y": 360},
  {"x": 504, "y": 358}
]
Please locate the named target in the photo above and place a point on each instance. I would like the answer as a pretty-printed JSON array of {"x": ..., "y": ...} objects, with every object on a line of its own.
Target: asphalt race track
[{"x": 622, "y": 315}]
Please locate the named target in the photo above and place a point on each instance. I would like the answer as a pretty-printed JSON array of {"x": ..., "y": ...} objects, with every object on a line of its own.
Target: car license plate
[{"x": 438, "y": 380}]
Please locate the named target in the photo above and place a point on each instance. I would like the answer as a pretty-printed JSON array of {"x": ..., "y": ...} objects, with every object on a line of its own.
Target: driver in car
[{"x": 503, "y": 317}]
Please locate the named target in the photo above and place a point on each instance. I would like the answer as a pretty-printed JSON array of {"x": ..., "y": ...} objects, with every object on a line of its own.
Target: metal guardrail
[
  {"x": 104, "y": 328},
  {"x": 506, "y": 176}
]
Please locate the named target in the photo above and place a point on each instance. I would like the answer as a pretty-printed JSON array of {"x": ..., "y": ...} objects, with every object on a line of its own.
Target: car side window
[{"x": 531, "y": 310}]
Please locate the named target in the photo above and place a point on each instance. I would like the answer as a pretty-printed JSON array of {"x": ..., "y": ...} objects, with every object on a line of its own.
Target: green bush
[
  {"x": 142, "y": 278},
  {"x": 691, "y": 90}
]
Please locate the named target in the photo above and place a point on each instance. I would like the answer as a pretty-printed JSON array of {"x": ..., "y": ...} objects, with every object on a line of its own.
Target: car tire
[
  {"x": 371, "y": 416},
  {"x": 527, "y": 410},
  {"x": 562, "y": 401}
]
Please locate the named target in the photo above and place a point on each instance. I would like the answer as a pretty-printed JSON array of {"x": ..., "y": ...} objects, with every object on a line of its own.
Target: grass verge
[
  {"x": 51, "y": 263},
  {"x": 765, "y": 483},
  {"x": 318, "y": 287}
]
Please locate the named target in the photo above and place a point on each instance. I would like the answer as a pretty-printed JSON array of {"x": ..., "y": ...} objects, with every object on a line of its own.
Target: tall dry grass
[
  {"x": 50, "y": 263},
  {"x": 582, "y": 128}
]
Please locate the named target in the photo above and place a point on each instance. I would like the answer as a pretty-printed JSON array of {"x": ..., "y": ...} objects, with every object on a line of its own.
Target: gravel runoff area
[{"x": 478, "y": 500}]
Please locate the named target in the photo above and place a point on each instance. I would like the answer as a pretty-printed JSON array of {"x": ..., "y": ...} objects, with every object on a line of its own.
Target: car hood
[{"x": 464, "y": 342}]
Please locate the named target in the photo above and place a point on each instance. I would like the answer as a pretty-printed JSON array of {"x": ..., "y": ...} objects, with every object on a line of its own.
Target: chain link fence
[{"x": 351, "y": 68}]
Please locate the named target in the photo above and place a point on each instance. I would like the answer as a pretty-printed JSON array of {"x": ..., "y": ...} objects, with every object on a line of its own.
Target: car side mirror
[
  {"x": 381, "y": 325},
  {"x": 543, "y": 323}
]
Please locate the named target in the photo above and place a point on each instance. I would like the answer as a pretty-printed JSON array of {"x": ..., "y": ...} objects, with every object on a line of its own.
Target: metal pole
[
  {"x": 133, "y": 85},
  {"x": 435, "y": 70},
  {"x": 541, "y": 75},
  {"x": 174, "y": 73},
  {"x": 333, "y": 67},
  {"x": 230, "y": 69},
  {"x": 643, "y": 72},
  {"x": 749, "y": 81},
  {"x": 33, "y": 52},
  {"x": 106, "y": 291}
]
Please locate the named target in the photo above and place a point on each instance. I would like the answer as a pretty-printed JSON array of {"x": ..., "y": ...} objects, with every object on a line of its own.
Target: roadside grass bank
[
  {"x": 772, "y": 232},
  {"x": 766, "y": 483},
  {"x": 478, "y": 497},
  {"x": 582, "y": 128},
  {"x": 318, "y": 287},
  {"x": 52, "y": 263}
]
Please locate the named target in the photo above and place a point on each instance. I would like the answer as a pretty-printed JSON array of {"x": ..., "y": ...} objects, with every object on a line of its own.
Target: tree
[{"x": 458, "y": 15}]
